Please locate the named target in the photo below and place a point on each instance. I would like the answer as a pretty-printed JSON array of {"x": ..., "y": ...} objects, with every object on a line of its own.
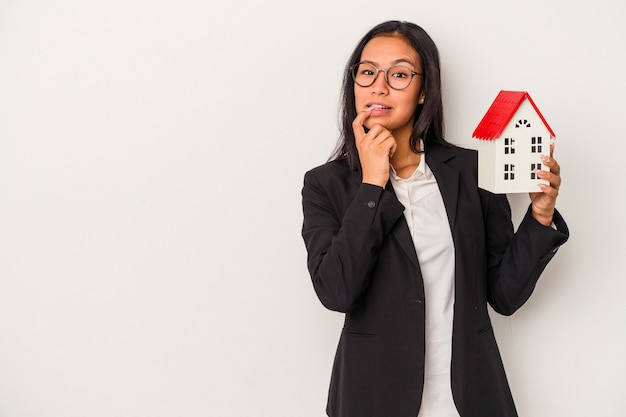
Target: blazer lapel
[
  {"x": 447, "y": 179},
  {"x": 401, "y": 233}
]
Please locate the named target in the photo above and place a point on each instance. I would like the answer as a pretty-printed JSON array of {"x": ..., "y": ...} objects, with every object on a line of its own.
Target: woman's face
[{"x": 393, "y": 109}]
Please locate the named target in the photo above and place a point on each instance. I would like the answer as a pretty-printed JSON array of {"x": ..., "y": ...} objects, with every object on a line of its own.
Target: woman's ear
[{"x": 421, "y": 99}]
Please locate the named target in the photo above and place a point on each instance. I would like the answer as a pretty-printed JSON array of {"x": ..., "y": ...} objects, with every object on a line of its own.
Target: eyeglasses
[{"x": 398, "y": 77}]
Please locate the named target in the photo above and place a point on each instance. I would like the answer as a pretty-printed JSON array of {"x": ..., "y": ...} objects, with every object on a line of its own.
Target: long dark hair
[{"x": 428, "y": 118}]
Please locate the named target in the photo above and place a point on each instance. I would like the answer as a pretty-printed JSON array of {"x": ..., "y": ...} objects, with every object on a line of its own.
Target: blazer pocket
[{"x": 359, "y": 333}]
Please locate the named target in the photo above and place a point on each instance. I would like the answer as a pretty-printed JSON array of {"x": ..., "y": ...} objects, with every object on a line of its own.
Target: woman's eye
[{"x": 400, "y": 74}]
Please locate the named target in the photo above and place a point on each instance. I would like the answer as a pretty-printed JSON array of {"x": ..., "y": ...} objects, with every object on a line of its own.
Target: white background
[{"x": 151, "y": 163}]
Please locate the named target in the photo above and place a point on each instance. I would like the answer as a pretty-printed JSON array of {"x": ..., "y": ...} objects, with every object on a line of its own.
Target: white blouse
[{"x": 426, "y": 216}]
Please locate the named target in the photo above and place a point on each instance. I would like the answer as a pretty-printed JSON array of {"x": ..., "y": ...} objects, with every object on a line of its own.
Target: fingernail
[{"x": 545, "y": 158}]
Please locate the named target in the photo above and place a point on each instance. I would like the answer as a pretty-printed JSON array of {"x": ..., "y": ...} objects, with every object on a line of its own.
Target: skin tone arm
[
  {"x": 379, "y": 147},
  {"x": 374, "y": 147}
]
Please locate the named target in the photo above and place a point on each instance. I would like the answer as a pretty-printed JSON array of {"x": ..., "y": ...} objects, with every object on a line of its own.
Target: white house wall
[
  {"x": 523, "y": 158},
  {"x": 492, "y": 156},
  {"x": 487, "y": 165}
]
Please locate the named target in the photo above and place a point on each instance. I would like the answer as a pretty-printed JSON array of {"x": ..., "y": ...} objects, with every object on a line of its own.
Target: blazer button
[{"x": 371, "y": 204}]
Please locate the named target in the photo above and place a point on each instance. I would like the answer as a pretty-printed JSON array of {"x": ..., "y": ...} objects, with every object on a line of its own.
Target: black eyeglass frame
[{"x": 384, "y": 71}]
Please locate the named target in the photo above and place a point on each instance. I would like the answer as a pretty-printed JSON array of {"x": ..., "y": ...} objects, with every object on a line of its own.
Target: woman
[{"x": 401, "y": 239}]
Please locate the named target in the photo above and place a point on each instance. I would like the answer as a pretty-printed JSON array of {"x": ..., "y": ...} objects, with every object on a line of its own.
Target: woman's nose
[{"x": 380, "y": 85}]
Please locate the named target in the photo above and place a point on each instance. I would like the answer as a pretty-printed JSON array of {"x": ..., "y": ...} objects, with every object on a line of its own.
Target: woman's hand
[
  {"x": 543, "y": 202},
  {"x": 375, "y": 148}
]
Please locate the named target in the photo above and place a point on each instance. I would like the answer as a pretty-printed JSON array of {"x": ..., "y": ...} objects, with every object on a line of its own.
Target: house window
[
  {"x": 522, "y": 123},
  {"x": 534, "y": 167},
  {"x": 509, "y": 146},
  {"x": 509, "y": 172},
  {"x": 536, "y": 145}
]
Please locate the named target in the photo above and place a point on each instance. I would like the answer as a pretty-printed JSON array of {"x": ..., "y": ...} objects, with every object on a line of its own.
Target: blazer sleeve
[
  {"x": 343, "y": 235},
  {"x": 516, "y": 260}
]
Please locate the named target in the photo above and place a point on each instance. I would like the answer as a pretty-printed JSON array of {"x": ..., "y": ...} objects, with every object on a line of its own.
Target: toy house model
[{"x": 512, "y": 136}]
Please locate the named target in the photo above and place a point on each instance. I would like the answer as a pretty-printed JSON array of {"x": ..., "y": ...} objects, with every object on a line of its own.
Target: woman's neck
[{"x": 404, "y": 160}]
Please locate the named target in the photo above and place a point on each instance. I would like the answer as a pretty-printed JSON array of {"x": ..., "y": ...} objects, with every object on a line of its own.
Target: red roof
[{"x": 500, "y": 113}]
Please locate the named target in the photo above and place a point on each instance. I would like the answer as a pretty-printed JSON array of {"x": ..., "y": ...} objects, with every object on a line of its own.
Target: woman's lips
[{"x": 377, "y": 109}]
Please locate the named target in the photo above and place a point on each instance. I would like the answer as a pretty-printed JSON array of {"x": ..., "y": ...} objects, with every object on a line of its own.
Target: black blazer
[{"x": 363, "y": 262}]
